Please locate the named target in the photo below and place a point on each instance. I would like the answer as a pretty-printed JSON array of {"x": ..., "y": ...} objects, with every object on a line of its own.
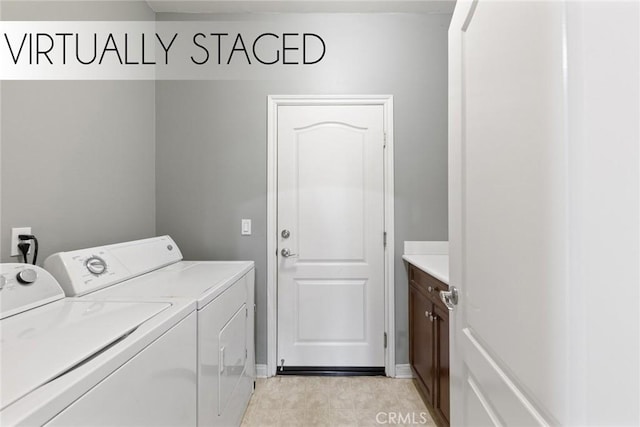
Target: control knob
[
  {"x": 96, "y": 265},
  {"x": 27, "y": 276}
]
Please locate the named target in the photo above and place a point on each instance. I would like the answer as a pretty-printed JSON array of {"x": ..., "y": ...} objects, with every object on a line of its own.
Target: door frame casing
[{"x": 273, "y": 102}]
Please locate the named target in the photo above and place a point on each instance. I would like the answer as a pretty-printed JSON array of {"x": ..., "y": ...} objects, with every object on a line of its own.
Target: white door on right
[
  {"x": 544, "y": 224},
  {"x": 507, "y": 213}
]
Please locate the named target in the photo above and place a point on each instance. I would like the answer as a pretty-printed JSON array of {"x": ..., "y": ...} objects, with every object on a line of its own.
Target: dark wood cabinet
[
  {"x": 429, "y": 342},
  {"x": 441, "y": 398},
  {"x": 422, "y": 332}
]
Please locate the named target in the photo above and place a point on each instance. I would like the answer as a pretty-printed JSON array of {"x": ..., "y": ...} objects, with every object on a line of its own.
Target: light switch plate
[
  {"x": 246, "y": 227},
  {"x": 15, "y": 232}
]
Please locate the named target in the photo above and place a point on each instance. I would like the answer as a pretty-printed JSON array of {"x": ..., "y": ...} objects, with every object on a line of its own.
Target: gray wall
[
  {"x": 78, "y": 157},
  {"x": 211, "y": 143},
  {"x": 115, "y": 161}
]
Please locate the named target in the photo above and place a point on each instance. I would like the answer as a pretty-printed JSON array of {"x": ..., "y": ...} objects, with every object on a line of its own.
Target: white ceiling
[{"x": 303, "y": 6}]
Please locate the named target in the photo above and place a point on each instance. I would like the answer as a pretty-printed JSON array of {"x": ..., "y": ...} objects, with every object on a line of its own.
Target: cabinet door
[
  {"x": 422, "y": 339},
  {"x": 441, "y": 398}
]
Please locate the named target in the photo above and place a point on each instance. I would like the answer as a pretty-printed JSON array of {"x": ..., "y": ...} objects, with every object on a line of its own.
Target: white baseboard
[
  {"x": 404, "y": 371},
  {"x": 261, "y": 371}
]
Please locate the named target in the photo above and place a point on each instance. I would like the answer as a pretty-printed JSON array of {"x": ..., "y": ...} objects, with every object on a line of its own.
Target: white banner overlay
[{"x": 147, "y": 50}]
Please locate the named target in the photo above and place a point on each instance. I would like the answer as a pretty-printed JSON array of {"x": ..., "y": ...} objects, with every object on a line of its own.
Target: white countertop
[{"x": 436, "y": 265}]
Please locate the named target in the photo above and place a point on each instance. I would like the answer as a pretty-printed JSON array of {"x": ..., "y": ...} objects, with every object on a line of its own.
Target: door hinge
[
  {"x": 246, "y": 312},
  {"x": 384, "y": 239},
  {"x": 385, "y": 340},
  {"x": 384, "y": 140},
  {"x": 246, "y": 353}
]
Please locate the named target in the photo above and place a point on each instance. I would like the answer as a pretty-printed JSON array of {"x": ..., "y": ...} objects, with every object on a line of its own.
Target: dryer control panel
[
  {"x": 25, "y": 286},
  {"x": 86, "y": 270}
]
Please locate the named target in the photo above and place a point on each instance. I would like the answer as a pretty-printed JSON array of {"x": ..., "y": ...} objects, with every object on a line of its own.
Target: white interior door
[
  {"x": 508, "y": 215},
  {"x": 331, "y": 220},
  {"x": 543, "y": 212}
]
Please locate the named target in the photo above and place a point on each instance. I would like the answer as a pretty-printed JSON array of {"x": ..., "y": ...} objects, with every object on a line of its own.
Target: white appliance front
[
  {"x": 226, "y": 355},
  {"x": 226, "y": 364},
  {"x": 156, "y": 387},
  {"x": 40, "y": 345},
  {"x": 223, "y": 292},
  {"x": 56, "y": 355}
]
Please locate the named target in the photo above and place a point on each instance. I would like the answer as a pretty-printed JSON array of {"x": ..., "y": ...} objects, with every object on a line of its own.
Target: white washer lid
[{"x": 44, "y": 343}]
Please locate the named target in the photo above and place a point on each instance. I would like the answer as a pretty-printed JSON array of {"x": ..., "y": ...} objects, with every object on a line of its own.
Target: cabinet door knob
[
  {"x": 429, "y": 315},
  {"x": 429, "y": 288}
]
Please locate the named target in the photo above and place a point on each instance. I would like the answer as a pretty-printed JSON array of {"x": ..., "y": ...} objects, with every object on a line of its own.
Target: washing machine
[
  {"x": 223, "y": 292},
  {"x": 69, "y": 361}
]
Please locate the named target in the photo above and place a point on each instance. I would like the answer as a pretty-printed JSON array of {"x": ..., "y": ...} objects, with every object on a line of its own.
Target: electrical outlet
[{"x": 15, "y": 232}]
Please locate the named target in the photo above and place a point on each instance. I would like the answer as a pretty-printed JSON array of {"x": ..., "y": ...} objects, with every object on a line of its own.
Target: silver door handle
[
  {"x": 450, "y": 298},
  {"x": 285, "y": 252}
]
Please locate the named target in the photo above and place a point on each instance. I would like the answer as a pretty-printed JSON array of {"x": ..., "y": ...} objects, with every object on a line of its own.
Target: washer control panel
[
  {"x": 92, "y": 269},
  {"x": 25, "y": 286},
  {"x": 86, "y": 270}
]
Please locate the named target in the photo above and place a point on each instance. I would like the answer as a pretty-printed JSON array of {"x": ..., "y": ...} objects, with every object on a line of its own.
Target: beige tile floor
[{"x": 335, "y": 401}]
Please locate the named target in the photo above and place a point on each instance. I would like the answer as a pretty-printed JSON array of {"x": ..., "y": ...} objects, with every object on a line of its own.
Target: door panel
[
  {"x": 330, "y": 215},
  {"x": 476, "y": 406},
  {"x": 346, "y": 296},
  {"x": 508, "y": 215},
  {"x": 331, "y": 201}
]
